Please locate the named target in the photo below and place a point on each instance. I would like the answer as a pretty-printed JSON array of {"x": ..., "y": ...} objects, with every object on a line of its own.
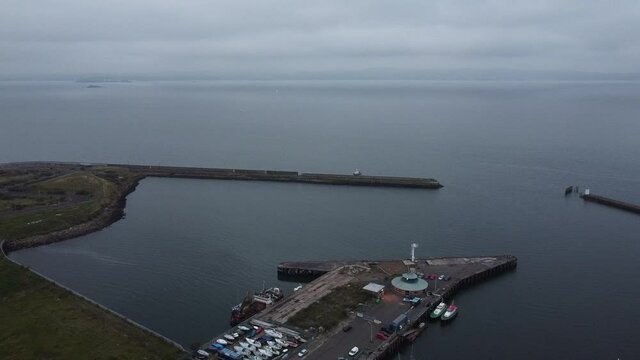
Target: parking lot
[{"x": 363, "y": 329}]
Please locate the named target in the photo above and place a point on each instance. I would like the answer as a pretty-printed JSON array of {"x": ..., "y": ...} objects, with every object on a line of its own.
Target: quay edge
[{"x": 325, "y": 276}]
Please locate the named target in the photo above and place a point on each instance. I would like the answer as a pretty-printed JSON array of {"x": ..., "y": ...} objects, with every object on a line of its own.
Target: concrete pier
[
  {"x": 612, "y": 203},
  {"x": 284, "y": 176},
  {"x": 258, "y": 175},
  {"x": 370, "y": 317}
]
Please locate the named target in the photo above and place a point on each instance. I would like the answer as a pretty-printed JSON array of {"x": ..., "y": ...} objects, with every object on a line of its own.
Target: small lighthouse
[{"x": 413, "y": 252}]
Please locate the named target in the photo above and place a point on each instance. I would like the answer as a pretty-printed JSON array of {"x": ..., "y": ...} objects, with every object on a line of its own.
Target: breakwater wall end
[{"x": 612, "y": 203}]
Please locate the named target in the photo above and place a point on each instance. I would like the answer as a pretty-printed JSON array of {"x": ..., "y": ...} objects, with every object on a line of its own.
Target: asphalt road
[{"x": 362, "y": 330}]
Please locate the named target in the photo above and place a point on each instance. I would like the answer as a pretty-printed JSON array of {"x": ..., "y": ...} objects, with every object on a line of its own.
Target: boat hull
[
  {"x": 449, "y": 317},
  {"x": 435, "y": 314}
]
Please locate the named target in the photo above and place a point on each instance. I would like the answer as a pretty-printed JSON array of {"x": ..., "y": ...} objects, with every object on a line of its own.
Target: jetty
[
  {"x": 282, "y": 176},
  {"x": 356, "y": 179},
  {"x": 611, "y": 203},
  {"x": 304, "y": 313}
]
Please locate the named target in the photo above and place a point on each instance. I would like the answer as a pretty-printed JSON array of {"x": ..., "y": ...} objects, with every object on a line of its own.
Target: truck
[{"x": 399, "y": 322}]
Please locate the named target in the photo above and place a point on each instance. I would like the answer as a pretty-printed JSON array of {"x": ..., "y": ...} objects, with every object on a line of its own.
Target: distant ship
[{"x": 253, "y": 304}]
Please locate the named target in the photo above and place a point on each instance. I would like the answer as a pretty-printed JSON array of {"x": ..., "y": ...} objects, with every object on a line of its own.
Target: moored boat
[
  {"x": 274, "y": 333},
  {"x": 253, "y": 304},
  {"x": 451, "y": 312},
  {"x": 439, "y": 310}
]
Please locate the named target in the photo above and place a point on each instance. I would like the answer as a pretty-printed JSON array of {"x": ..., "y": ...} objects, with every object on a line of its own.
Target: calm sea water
[{"x": 189, "y": 249}]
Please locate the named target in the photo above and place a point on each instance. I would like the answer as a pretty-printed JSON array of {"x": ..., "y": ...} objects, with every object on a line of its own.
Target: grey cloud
[{"x": 285, "y": 37}]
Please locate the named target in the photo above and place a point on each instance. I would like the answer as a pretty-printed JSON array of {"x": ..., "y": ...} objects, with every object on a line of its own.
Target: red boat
[{"x": 253, "y": 304}]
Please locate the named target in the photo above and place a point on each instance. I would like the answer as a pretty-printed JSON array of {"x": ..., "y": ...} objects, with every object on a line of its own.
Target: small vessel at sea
[
  {"x": 439, "y": 310},
  {"x": 253, "y": 304},
  {"x": 451, "y": 312}
]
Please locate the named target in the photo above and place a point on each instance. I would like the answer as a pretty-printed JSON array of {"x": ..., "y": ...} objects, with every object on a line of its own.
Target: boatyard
[{"x": 356, "y": 309}]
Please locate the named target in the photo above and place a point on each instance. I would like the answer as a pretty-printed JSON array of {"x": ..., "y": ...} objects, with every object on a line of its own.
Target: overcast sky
[{"x": 280, "y": 38}]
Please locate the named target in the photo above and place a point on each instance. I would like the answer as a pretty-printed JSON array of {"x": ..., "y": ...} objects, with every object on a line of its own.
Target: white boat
[
  {"x": 273, "y": 333},
  {"x": 282, "y": 342},
  {"x": 229, "y": 337},
  {"x": 299, "y": 287},
  {"x": 439, "y": 310},
  {"x": 451, "y": 312},
  {"x": 300, "y": 338},
  {"x": 247, "y": 346},
  {"x": 265, "y": 352},
  {"x": 222, "y": 342},
  {"x": 243, "y": 328}
]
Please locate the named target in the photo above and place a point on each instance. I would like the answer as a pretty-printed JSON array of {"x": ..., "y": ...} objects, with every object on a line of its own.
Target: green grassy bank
[
  {"x": 42, "y": 321},
  {"x": 39, "y": 320}
]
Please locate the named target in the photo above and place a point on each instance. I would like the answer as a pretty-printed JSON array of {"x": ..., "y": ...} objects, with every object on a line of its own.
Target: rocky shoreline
[{"x": 109, "y": 215}]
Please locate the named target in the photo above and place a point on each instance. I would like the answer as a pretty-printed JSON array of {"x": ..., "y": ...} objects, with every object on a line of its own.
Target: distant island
[{"x": 101, "y": 79}]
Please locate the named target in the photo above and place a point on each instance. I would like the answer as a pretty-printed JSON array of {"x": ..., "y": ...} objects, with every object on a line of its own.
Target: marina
[{"x": 402, "y": 296}]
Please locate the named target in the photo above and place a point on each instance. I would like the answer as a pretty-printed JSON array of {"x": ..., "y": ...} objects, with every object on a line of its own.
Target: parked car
[
  {"x": 347, "y": 328},
  {"x": 303, "y": 352},
  {"x": 354, "y": 351},
  {"x": 432, "y": 276},
  {"x": 382, "y": 336},
  {"x": 414, "y": 300}
]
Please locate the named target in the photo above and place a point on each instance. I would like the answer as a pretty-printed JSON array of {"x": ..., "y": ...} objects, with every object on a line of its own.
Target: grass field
[
  {"x": 332, "y": 308},
  {"x": 39, "y": 320},
  {"x": 54, "y": 204}
]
